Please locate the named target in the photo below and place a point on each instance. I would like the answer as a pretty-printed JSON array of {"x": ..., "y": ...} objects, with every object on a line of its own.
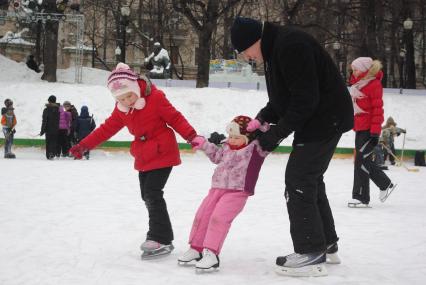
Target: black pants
[
  {"x": 311, "y": 219},
  {"x": 152, "y": 184},
  {"x": 63, "y": 144},
  {"x": 51, "y": 144},
  {"x": 365, "y": 169}
]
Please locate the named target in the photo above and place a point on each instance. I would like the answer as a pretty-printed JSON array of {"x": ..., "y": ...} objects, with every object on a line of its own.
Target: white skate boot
[
  {"x": 302, "y": 265},
  {"x": 189, "y": 256},
  {"x": 209, "y": 262},
  {"x": 384, "y": 194},
  {"x": 331, "y": 254}
]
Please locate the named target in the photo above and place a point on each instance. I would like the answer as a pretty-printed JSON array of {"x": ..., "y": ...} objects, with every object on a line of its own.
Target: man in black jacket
[
  {"x": 307, "y": 96},
  {"x": 50, "y": 126}
]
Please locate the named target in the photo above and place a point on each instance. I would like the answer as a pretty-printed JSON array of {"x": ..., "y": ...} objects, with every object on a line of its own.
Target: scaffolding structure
[{"x": 78, "y": 19}]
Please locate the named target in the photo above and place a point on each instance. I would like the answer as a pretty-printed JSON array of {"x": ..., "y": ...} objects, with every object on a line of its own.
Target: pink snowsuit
[{"x": 233, "y": 181}]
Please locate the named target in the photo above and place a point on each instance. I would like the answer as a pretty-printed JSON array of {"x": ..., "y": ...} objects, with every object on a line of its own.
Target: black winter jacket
[
  {"x": 306, "y": 92},
  {"x": 85, "y": 124},
  {"x": 50, "y": 123}
]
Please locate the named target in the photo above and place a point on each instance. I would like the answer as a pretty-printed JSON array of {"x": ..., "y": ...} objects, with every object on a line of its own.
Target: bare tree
[
  {"x": 203, "y": 16},
  {"x": 51, "y": 44}
]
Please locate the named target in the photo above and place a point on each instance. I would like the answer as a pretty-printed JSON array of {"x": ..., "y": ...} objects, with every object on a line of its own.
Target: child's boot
[
  {"x": 210, "y": 261},
  {"x": 190, "y": 255}
]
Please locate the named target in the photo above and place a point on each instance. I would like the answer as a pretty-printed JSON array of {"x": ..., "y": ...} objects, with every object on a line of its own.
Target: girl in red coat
[
  {"x": 367, "y": 97},
  {"x": 151, "y": 119}
]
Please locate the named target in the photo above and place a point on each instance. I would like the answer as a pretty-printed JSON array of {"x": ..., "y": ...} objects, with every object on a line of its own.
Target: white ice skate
[
  {"x": 355, "y": 203},
  {"x": 152, "y": 249},
  {"x": 331, "y": 254},
  {"x": 384, "y": 194},
  {"x": 302, "y": 265},
  {"x": 189, "y": 256},
  {"x": 209, "y": 262}
]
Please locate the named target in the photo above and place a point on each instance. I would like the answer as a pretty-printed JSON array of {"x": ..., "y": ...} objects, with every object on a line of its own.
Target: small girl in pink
[{"x": 238, "y": 164}]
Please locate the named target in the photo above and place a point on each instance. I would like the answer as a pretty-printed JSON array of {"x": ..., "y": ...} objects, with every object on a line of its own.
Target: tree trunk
[
  {"x": 205, "y": 38},
  {"x": 50, "y": 51}
]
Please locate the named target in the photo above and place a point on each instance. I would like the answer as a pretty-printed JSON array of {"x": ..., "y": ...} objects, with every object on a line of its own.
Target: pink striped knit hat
[{"x": 123, "y": 80}]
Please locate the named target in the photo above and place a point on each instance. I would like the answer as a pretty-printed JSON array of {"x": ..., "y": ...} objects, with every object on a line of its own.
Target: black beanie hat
[
  {"x": 51, "y": 99},
  {"x": 245, "y": 32}
]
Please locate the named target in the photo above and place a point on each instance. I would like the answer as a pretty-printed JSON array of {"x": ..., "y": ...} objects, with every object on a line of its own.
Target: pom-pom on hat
[
  {"x": 245, "y": 32},
  {"x": 123, "y": 80},
  {"x": 238, "y": 127},
  {"x": 362, "y": 63}
]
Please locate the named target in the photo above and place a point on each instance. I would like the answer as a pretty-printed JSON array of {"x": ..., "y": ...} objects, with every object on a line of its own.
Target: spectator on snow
[
  {"x": 63, "y": 145},
  {"x": 389, "y": 131},
  {"x": 72, "y": 138},
  {"x": 151, "y": 119},
  {"x": 367, "y": 97},
  {"x": 32, "y": 64},
  {"x": 50, "y": 126},
  {"x": 7, "y": 104},
  {"x": 8, "y": 122},
  {"x": 308, "y": 96},
  {"x": 85, "y": 124},
  {"x": 238, "y": 165}
]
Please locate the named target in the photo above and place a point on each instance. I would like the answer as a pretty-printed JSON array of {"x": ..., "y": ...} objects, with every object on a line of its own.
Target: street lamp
[
  {"x": 410, "y": 67},
  {"x": 117, "y": 53},
  {"x": 124, "y": 22},
  {"x": 402, "y": 54},
  {"x": 336, "y": 47}
]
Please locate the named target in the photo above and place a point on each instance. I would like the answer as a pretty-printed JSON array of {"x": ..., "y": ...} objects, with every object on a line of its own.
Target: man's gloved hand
[
  {"x": 78, "y": 150},
  {"x": 216, "y": 138},
  {"x": 197, "y": 142},
  {"x": 271, "y": 139}
]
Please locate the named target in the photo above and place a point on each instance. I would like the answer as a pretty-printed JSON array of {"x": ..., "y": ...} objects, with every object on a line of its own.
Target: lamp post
[
  {"x": 124, "y": 22},
  {"x": 117, "y": 53},
  {"x": 409, "y": 46},
  {"x": 336, "y": 48},
  {"x": 402, "y": 55}
]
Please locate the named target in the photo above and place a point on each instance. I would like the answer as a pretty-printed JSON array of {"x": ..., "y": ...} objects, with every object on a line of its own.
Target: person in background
[
  {"x": 72, "y": 138},
  {"x": 50, "y": 126},
  {"x": 152, "y": 120},
  {"x": 8, "y": 122},
  {"x": 84, "y": 125},
  {"x": 389, "y": 132},
  {"x": 367, "y": 97},
  {"x": 63, "y": 145},
  {"x": 238, "y": 165},
  {"x": 8, "y": 103},
  {"x": 32, "y": 64}
]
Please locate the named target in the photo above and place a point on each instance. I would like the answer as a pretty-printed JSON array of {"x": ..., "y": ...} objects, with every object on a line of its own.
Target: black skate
[
  {"x": 302, "y": 265},
  {"x": 10, "y": 155}
]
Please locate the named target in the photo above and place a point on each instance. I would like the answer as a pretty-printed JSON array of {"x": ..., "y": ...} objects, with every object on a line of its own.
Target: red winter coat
[
  {"x": 155, "y": 144},
  {"x": 372, "y": 104}
]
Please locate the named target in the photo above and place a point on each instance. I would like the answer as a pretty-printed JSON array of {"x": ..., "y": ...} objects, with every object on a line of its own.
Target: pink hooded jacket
[{"x": 237, "y": 169}]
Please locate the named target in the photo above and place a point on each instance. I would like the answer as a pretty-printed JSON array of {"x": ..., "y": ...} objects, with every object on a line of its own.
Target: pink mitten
[
  {"x": 197, "y": 142},
  {"x": 253, "y": 125}
]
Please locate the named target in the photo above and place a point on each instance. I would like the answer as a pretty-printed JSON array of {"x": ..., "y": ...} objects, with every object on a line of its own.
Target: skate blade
[
  {"x": 156, "y": 254},
  {"x": 316, "y": 270},
  {"x": 356, "y": 205},
  {"x": 187, "y": 263},
  {"x": 212, "y": 269},
  {"x": 333, "y": 258}
]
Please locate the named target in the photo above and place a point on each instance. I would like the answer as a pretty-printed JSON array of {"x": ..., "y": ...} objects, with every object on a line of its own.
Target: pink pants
[{"x": 214, "y": 217}]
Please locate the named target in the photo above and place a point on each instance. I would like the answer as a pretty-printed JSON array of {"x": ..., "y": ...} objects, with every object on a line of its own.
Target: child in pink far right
[{"x": 238, "y": 165}]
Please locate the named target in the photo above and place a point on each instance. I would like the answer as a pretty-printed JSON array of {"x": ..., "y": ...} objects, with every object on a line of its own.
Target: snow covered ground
[{"x": 81, "y": 222}]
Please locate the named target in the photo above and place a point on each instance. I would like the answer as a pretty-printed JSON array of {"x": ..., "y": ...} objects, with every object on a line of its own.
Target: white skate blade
[
  {"x": 358, "y": 205},
  {"x": 190, "y": 263},
  {"x": 333, "y": 258},
  {"x": 305, "y": 271},
  {"x": 161, "y": 252}
]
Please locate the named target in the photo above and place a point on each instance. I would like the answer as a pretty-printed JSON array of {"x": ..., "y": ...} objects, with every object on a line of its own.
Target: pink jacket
[{"x": 237, "y": 169}]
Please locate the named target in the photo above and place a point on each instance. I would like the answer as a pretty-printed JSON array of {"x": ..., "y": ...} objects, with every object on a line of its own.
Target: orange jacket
[{"x": 4, "y": 121}]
